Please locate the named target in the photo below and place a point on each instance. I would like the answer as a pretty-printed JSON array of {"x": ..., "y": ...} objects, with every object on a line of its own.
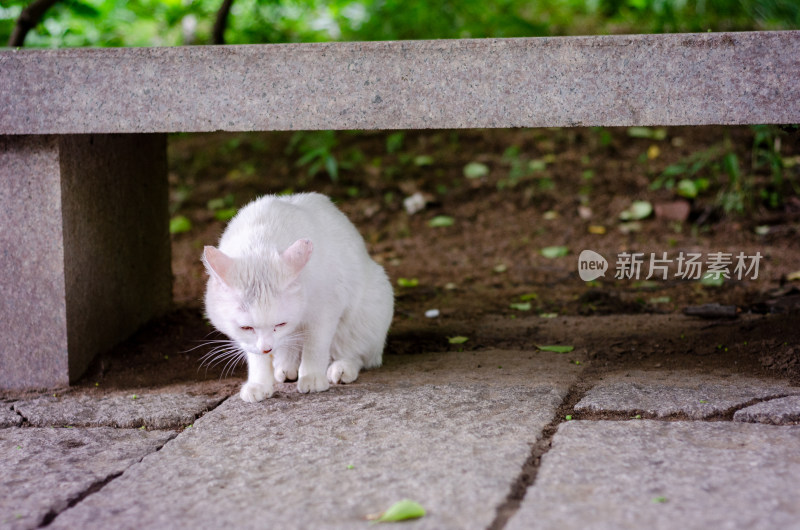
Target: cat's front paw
[
  {"x": 343, "y": 372},
  {"x": 312, "y": 383},
  {"x": 285, "y": 370},
  {"x": 255, "y": 392}
]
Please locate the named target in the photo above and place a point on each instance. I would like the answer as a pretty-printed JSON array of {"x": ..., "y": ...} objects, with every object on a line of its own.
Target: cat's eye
[
  {"x": 247, "y": 328},
  {"x": 280, "y": 325}
]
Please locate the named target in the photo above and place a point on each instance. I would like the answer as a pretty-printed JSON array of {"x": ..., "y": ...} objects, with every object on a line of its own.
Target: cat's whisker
[
  {"x": 232, "y": 364},
  {"x": 212, "y": 359},
  {"x": 208, "y": 343},
  {"x": 216, "y": 359},
  {"x": 216, "y": 353}
]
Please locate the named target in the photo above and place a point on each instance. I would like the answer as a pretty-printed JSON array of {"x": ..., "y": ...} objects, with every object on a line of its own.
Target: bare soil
[{"x": 489, "y": 258}]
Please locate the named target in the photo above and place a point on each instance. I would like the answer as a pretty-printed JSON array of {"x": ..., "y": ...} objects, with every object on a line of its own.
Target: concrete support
[{"x": 84, "y": 250}]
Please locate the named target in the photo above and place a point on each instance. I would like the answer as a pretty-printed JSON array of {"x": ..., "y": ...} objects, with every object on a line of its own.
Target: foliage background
[{"x": 72, "y": 23}]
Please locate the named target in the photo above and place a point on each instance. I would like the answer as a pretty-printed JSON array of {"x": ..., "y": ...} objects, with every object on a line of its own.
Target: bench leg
[{"x": 84, "y": 250}]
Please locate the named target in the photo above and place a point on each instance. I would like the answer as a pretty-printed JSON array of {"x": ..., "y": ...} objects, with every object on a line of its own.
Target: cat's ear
[
  {"x": 297, "y": 255},
  {"x": 218, "y": 264}
]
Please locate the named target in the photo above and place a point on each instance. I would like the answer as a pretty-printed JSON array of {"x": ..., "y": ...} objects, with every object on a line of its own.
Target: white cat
[{"x": 294, "y": 288}]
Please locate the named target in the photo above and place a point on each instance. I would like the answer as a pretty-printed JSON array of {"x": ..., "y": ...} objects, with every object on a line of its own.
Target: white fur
[{"x": 298, "y": 261}]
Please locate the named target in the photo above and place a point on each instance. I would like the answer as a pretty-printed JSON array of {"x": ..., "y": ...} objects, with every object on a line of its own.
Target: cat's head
[{"x": 257, "y": 299}]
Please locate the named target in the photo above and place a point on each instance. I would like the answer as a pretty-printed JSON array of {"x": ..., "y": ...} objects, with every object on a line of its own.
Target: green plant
[
  {"x": 766, "y": 154},
  {"x": 72, "y": 23},
  {"x": 316, "y": 151},
  {"x": 718, "y": 165},
  {"x": 519, "y": 168}
]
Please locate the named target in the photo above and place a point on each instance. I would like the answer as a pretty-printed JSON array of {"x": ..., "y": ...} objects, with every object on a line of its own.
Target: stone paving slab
[
  {"x": 152, "y": 410},
  {"x": 43, "y": 469},
  {"x": 423, "y": 427},
  {"x": 665, "y": 475},
  {"x": 781, "y": 411},
  {"x": 8, "y": 418},
  {"x": 661, "y": 394}
]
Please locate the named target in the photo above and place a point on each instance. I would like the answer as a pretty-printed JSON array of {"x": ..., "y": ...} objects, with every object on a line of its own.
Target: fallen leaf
[
  {"x": 636, "y": 211},
  {"x": 441, "y": 221},
  {"x": 556, "y": 348},
  {"x": 550, "y": 215},
  {"x": 400, "y": 511},
  {"x": 554, "y": 252},
  {"x": 476, "y": 170},
  {"x": 457, "y": 339},
  {"x": 225, "y": 214},
  {"x": 179, "y": 224}
]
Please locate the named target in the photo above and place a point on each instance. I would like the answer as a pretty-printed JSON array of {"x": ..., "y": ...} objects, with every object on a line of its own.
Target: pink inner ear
[
  {"x": 218, "y": 263},
  {"x": 297, "y": 255}
]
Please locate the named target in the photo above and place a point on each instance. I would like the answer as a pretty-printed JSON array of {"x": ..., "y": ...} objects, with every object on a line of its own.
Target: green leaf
[
  {"x": 457, "y": 339},
  {"x": 521, "y": 306},
  {"x": 687, "y": 188},
  {"x": 636, "y": 211},
  {"x": 556, "y": 348},
  {"x": 395, "y": 141},
  {"x": 332, "y": 167},
  {"x": 674, "y": 170},
  {"x": 476, "y": 170},
  {"x": 406, "y": 282},
  {"x": 216, "y": 204},
  {"x": 441, "y": 221},
  {"x": 401, "y": 511},
  {"x": 731, "y": 164},
  {"x": 554, "y": 252},
  {"x": 537, "y": 165},
  {"x": 226, "y": 214},
  {"x": 423, "y": 160},
  {"x": 528, "y": 296},
  {"x": 647, "y": 132},
  {"x": 712, "y": 280},
  {"x": 660, "y": 300},
  {"x": 548, "y": 315},
  {"x": 179, "y": 224}
]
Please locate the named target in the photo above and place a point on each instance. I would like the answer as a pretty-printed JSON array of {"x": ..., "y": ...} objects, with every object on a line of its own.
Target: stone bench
[{"x": 83, "y": 170}]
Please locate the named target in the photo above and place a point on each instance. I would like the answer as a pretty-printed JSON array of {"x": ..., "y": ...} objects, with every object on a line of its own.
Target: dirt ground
[{"x": 485, "y": 272}]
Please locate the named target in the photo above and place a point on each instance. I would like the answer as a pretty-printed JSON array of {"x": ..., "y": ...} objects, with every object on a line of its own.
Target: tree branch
[
  {"x": 218, "y": 33},
  {"x": 27, "y": 20}
]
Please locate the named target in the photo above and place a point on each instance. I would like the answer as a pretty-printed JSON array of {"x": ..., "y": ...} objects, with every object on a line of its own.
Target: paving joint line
[
  {"x": 728, "y": 414},
  {"x": 530, "y": 468},
  {"x": 93, "y": 488},
  {"x": 100, "y": 484},
  {"x": 96, "y": 486},
  {"x": 25, "y": 422}
]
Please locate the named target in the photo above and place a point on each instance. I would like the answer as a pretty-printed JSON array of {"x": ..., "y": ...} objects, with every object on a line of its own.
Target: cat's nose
[{"x": 268, "y": 351}]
